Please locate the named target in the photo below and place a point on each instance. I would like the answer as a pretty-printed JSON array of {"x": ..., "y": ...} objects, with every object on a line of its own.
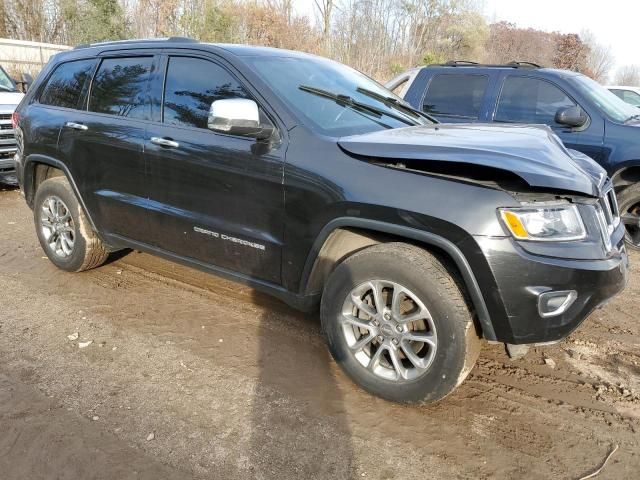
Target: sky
[{"x": 613, "y": 22}]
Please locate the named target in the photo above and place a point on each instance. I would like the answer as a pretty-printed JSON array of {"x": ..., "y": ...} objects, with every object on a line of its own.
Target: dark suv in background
[
  {"x": 585, "y": 115},
  {"x": 304, "y": 178}
]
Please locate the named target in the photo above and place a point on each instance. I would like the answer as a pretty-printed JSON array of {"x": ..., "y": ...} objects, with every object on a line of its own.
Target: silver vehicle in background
[
  {"x": 631, "y": 95},
  {"x": 10, "y": 97}
]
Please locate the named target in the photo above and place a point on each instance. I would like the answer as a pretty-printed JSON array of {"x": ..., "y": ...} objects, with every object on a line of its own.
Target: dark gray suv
[{"x": 304, "y": 178}]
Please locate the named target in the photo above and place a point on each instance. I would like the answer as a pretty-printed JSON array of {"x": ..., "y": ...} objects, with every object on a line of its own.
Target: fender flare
[
  {"x": 28, "y": 179},
  {"x": 422, "y": 236}
]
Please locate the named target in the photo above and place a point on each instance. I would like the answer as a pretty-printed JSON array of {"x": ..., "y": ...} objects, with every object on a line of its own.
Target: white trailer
[{"x": 19, "y": 56}]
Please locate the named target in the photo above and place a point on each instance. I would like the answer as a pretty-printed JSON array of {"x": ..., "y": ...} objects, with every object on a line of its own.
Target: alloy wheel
[
  {"x": 57, "y": 226},
  {"x": 389, "y": 330}
]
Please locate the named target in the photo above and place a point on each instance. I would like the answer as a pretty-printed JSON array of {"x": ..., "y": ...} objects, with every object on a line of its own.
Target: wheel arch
[
  {"x": 345, "y": 236},
  {"x": 38, "y": 168},
  {"x": 626, "y": 175}
]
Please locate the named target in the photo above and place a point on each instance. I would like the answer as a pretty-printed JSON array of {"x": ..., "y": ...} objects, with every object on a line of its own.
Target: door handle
[
  {"x": 165, "y": 142},
  {"x": 76, "y": 126}
]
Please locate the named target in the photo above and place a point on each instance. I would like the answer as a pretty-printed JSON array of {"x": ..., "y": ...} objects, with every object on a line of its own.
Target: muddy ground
[{"x": 234, "y": 384}]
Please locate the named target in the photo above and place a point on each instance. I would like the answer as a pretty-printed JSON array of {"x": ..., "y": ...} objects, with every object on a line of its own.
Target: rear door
[
  {"x": 216, "y": 198},
  {"x": 524, "y": 98},
  {"x": 103, "y": 144}
]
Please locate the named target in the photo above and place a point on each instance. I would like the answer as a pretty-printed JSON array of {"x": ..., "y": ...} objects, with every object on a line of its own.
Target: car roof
[
  {"x": 181, "y": 42},
  {"x": 526, "y": 66}
]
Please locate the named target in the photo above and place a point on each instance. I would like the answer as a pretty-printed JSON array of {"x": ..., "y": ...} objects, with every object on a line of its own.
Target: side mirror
[
  {"x": 571, "y": 117},
  {"x": 238, "y": 116}
]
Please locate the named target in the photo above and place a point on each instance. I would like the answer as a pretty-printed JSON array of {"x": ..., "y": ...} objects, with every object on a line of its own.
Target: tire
[
  {"x": 629, "y": 203},
  {"x": 421, "y": 282},
  {"x": 74, "y": 246}
]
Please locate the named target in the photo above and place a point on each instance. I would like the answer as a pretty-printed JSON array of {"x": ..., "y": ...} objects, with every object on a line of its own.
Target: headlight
[{"x": 553, "y": 223}]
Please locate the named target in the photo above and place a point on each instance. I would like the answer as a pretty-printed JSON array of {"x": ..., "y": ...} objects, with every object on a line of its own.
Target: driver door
[
  {"x": 217, "y": 199},
  {"x": 526, "y": 99}
]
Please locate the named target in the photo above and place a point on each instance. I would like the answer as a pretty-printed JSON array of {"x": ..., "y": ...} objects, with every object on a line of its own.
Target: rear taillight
[{"x": 15, "y": 118}]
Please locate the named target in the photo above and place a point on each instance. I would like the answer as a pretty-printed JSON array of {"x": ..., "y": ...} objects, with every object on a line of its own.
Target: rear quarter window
[
  {"x": 455, "y": 95},
  {"x": 67, "y": 83}
]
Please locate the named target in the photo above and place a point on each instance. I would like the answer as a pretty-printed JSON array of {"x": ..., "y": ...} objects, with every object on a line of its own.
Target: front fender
[{"x": 488, "y": 315}]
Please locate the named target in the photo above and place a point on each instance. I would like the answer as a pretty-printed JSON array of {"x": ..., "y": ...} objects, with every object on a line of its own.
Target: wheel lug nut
[
  {"x": 395, "y": 341},
  {"x": 380, "y": 338},
  {"x": 399, "y": 328},
  {"x": 375, "y": 323},
  {"x": 387, "y": 316}
]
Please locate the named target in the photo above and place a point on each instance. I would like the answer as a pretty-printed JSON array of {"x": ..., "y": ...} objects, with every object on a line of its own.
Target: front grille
[
  {"x": 6, "y": 136},
  {"x": 5, "y": 116},
  {"x": 608, "y": 216},
  {"x": 609, "y": 205},
  {"x": 6, "y": 126}
]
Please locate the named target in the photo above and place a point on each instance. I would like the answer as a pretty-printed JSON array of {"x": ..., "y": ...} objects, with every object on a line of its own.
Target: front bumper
[{"x": 520, "y": 277}]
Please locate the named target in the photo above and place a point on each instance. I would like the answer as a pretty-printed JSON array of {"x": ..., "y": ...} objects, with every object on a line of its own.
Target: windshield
[
  {"x": 5, "y": 82},
  {"x": 612, "y": 106},
  {"x": 311, "y": 87}
]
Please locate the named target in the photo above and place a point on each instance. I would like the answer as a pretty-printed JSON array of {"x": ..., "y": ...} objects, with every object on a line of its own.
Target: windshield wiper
[
  {"x": 347, "y": 101},
  {"x": 394, "y": 103}
]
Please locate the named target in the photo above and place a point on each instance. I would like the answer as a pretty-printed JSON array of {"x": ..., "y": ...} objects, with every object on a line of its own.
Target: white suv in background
[
  {"x": 631, "y": 95},
  {"x": 9, "y": 99}
]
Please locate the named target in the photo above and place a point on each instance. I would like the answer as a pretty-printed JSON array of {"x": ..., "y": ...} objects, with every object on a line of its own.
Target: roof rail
[
  {"x": 466, "y": 63},
  {"x": 524, "y": 64},
  {"x": 455, "y": 63},
  {"x": 138, "y": 40}
]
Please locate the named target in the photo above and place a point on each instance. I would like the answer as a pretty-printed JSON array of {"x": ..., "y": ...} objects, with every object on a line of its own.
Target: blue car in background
[{"x": 586, "y": 116}]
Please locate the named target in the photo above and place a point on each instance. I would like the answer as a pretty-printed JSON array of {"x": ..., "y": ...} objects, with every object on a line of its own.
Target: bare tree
[
  {"x": 325, "y": 10},
  {"x": 600, "y": 59},
  {"x": 628, "y": 75}
]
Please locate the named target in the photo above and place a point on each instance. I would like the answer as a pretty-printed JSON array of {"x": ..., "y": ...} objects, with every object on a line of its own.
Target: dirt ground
[{"x": 234, "y": 384}]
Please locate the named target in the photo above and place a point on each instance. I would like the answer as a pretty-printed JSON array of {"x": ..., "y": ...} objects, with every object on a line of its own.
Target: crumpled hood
[{"x": 532, "y": 152}]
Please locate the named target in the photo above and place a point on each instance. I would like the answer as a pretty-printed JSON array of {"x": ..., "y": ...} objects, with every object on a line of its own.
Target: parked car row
[{"x": 297, "y": 175}]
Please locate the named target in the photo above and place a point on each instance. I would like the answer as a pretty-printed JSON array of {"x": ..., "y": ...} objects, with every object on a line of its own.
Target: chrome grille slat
[
  {"x": 608, "y": 215},
  {"x": 8, "y": 143}
]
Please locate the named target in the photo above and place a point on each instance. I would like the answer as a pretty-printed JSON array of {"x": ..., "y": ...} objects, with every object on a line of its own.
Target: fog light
[{"x": 551, "y": 304}]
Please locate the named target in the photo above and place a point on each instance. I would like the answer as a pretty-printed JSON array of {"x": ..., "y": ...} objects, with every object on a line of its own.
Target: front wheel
[
  {"x": 629, "y": 206},
  {"x": 398, "y": 324}
]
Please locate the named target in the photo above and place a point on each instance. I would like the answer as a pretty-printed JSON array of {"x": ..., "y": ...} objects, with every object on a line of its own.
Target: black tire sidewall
[
  {"x": 60, "y": 188},
  {"x": 451, "y": 326}
]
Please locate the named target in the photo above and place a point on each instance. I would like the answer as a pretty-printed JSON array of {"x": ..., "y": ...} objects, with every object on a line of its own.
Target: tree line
[{"x": 378, "y": 37}]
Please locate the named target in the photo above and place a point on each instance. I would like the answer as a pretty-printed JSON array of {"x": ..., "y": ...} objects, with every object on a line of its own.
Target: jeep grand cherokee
[{"x": 304, "y": 178}]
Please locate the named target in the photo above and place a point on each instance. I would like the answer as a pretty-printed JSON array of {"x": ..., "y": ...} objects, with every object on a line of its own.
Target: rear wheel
[
  {"x": 629, "y": 205},
  {"x": 63, "y": 229},
  {"x": 397, "y": 322}
]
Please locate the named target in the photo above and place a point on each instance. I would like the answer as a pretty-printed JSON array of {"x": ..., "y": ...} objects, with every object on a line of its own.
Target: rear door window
[
  {"x": 530, "y": 100},
  {"x": 120, "y": 87},
  {"x": 191, "y": 86},
  {"x": 66, "y": 85},
  {"x": 456, "y": 95}
]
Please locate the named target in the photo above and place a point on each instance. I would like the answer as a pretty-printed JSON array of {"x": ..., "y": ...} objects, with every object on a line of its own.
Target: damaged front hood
[{"x": 533, "y": 153}]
